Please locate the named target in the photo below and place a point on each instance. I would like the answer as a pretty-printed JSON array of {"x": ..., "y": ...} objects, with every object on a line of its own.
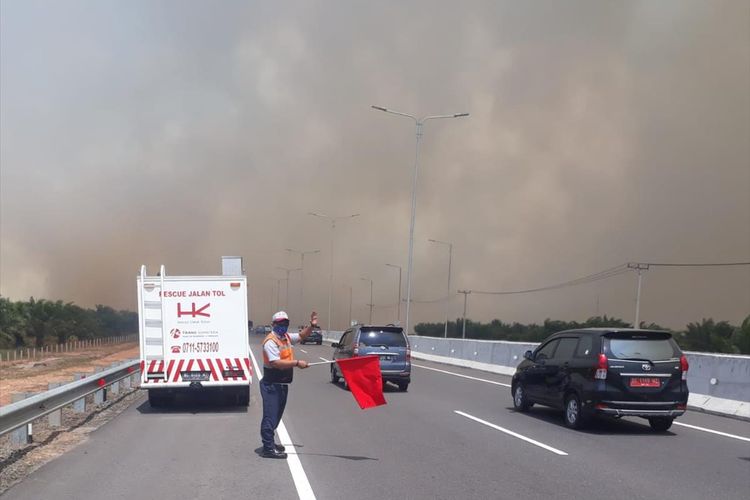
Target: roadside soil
[{"x": 34, "y": 376}]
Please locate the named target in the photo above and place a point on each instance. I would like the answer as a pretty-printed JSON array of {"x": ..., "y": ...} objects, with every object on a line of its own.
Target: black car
[
  {"x": 605, "y": 371},
  {"x": 315, "y": 337}
]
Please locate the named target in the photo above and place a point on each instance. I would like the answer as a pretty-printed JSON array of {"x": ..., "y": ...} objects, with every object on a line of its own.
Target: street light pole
[
  {"x": 330, "y": 277},
  {"x": 302, "y": 254},
  {"x": 371, "y": 304},
  {"x": 288, "y": 272},
  {"x": 351, "y": 293},
  {"x": 448, "y": 294},
  {"x": 398, "y": 307},
  {"x": 419, "y": 124},
  {"x": 466, "y": 295}
]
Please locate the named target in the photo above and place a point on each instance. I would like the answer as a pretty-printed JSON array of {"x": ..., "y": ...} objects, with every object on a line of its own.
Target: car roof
[{"x": 605, "y": 330}]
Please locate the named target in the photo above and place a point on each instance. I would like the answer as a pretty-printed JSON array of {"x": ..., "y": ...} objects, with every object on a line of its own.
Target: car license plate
[
  {"x": 195, "y": 376},
  {"x": 386, "y": 358},
  {"x": 644, "y": 382}
]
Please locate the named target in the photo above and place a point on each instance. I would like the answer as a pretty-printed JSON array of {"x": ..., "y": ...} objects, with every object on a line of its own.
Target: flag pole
[{"x": 321, "y": 363}]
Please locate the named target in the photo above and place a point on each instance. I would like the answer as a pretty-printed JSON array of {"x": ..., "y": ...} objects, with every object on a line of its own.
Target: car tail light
[
  {"x": 408, "y": 353},
  {"x": 600, "y": 406},
  {"x": 355, "y": 350},
  {"x": 682, "y": 407},
  {"x": 684, "y": 366},
  {"x": 601, "y": 368}
]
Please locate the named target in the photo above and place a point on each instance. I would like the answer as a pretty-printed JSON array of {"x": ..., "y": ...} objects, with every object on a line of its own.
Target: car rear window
[
  {"x": 392, "y": 337},
  {"x": 654, "y": 347}
]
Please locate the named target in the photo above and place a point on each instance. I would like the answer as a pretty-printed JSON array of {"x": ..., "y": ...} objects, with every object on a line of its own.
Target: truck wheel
[
  {"x": 155, "y": 398},
  {"x": 243, "y": 397}
]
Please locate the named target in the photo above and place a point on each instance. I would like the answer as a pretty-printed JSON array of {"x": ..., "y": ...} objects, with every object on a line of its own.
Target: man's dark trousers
[{"x": 274, "y": 402}]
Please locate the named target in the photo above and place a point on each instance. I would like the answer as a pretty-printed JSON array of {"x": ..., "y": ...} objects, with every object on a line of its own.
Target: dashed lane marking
[
  {"x": 460, "y": 375},
  {"x": 511, "y": 433}
]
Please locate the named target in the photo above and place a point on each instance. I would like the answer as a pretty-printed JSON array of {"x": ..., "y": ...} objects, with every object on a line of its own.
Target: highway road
[{"x": 453, "y": 435}]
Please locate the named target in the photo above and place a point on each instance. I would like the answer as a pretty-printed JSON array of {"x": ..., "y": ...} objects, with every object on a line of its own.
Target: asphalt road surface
[{"x": 453, "y": 435}]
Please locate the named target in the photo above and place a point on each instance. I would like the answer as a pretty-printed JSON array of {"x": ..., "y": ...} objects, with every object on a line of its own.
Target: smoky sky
[{"x": 174, "y": 132}]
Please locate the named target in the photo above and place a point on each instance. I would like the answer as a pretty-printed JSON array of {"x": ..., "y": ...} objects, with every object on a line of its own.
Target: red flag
[{"x": 362, "y": 375}]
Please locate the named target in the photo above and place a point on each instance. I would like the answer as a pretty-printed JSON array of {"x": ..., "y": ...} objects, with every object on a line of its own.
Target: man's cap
[{"x": 280, "y": 316}]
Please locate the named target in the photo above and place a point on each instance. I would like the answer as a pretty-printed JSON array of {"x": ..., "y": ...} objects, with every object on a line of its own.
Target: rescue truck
[{"x": 193, "y": 334}]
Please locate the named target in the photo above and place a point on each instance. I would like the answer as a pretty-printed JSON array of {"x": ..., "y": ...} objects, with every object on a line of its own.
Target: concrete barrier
[{"x": 718, "y": 383}]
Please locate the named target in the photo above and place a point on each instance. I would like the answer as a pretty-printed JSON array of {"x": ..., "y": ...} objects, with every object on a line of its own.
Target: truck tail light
[
  {"x": 684, "y": 365},
  {"x": 601, "y": 368}
]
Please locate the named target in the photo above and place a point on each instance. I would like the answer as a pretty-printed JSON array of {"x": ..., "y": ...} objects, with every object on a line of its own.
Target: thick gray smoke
[{"x": 175, "y": 132}]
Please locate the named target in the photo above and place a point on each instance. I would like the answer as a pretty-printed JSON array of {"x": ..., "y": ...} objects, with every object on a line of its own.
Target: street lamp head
[
  {"x": 460, "y": 115},
  {"x": 379, "y": 108}
]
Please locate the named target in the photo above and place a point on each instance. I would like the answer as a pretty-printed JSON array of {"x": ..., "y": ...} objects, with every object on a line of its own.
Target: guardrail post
[
  {"x": 115, "y": 386},
  {"x": 79, "y": 406},
  {"x": 55, "y": 418},
  {"x": 20, "y": 436},
  {"x": 99, "y": 396}
]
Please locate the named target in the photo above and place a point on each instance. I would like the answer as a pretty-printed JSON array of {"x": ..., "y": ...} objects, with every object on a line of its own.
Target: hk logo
[
  {"x": 193, "y": 312},
  {"x": 175, "y": 333}
]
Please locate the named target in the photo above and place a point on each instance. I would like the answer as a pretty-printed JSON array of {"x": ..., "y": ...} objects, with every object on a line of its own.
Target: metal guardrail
[{"x": 17, "y": 414}]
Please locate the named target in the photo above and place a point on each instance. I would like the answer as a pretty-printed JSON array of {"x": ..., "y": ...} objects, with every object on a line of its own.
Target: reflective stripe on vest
[{"x": 285, "y": 348}]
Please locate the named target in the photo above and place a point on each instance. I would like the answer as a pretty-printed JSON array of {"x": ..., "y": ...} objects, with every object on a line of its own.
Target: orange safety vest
[{"x": 278, "y": 375}]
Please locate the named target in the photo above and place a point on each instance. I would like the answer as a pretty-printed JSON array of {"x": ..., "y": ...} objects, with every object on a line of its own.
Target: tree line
[
  {"x": 705, "y": 336},
  {"x": 40, "y": 322}
]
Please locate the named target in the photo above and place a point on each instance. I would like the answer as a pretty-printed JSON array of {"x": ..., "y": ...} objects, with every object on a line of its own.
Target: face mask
[{"x": 280, "y": 329}]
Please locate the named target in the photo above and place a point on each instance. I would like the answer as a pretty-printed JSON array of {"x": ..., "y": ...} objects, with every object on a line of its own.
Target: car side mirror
[
  {"x": 529, "y": 355},
  {"x": 335, "y": 345}
]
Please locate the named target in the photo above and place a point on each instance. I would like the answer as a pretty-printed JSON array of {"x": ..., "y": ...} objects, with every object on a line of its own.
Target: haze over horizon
[{"x": 177, "y": 132}]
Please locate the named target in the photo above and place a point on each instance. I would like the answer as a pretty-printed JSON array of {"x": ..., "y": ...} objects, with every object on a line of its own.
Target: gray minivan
[{"x": 388, "y": 342}]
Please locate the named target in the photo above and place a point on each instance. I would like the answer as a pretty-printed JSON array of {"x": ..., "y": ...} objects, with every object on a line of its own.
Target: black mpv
[{"x": 605, "y": 371}]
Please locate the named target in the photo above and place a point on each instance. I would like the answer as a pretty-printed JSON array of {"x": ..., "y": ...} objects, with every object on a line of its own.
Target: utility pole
[
  {"x": 639, "y": 268},
  {"x": 466, "y": 296}
]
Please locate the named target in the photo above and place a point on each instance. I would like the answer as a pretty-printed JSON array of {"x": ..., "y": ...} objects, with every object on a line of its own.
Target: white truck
[{"x": 193, "y": 334}]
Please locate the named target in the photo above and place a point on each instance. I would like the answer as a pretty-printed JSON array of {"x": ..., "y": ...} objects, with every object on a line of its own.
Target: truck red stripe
[
  {"x": 200, "y": 365},
  {"x": 249, "y": 368},
  {"x": 239, "y": 365},
  {"x": 213, "y": 372},
  {"x": 178, "y": 370},
  {"x": 189, "y": 365},
  {"x": 169, "y": 370}
]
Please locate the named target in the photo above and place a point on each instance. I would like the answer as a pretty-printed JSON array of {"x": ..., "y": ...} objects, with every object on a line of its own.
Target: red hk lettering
[{"x": 193, "y": 312}]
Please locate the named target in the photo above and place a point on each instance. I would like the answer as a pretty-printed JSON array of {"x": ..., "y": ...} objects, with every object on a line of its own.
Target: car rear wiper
[{"x": 637, "y": 359}]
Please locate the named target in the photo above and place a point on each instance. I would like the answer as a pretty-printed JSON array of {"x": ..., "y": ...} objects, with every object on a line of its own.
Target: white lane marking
[
  {"x": 733, "y": 436},
  {"x": 514, "y": 434},
  {"x": 326, "y": 360},
  {"x": 303, "y": 350},
  {"x": 304, "y": 490},
  {"x": 460, "y": 375}
]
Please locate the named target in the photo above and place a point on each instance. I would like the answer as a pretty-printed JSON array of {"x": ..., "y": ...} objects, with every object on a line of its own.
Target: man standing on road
[{"x": 278, "y": 370}]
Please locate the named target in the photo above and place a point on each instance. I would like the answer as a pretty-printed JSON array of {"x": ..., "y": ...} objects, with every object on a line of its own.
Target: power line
[
  {"x": 590, "y": 278},
  {"x": 716, "y": 264}
]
